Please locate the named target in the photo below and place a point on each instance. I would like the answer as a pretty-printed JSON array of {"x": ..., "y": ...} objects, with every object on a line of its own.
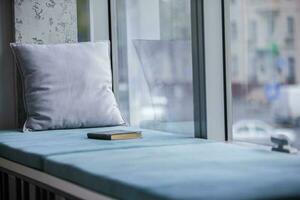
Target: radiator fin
[{"x": 15, "y": 187}]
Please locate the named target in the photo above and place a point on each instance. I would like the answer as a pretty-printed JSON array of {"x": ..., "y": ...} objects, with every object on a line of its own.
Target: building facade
[{"x": 264, "y": 46}]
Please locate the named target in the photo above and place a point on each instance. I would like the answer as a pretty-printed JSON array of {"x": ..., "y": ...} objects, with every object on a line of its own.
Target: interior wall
[
  {"x": 46, "y": 21},
  {"x": 7, "y": 95}
]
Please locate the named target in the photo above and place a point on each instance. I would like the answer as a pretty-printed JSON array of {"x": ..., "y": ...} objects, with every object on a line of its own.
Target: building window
[
  {"x": 291, "y": 79},
  {"x": 270, "y": 24},
  {"x": 234, "y": 67},
  {"x": 290, "y": 26},
  {"x": 234, "y": 31},
  {"x": 252, "y": 32}
]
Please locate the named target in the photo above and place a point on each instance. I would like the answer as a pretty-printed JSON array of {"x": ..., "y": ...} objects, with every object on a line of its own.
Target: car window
[
  {"x": 243, "y": 129},
  {"x": 260, "y": 130}
]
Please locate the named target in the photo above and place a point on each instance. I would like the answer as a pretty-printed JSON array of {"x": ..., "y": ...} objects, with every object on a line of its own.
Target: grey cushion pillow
[{"x": 67, "y": 85}]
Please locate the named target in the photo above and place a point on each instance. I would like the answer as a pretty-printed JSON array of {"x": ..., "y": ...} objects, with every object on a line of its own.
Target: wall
[
  {"x": 7, "y": 97},
  {"x": 46, "y": 21}
]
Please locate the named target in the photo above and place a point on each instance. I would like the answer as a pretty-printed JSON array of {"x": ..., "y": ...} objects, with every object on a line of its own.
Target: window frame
[
  {"x": 199, "y": 76},
  {"x": 227, "y": 69},
  {"x": 210, "y": 82}
]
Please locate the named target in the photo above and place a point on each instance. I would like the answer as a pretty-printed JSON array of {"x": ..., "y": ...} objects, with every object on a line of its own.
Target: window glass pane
[
  {"x": 155, "y": 64},
  {"x": 265, "y": 63}
]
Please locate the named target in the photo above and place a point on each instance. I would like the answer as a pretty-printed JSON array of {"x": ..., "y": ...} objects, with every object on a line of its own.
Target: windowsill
[{"x": 251, "y": 145}]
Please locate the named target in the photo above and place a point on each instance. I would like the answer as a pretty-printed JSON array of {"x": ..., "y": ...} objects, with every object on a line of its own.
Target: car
[{"x": 259, "y": 132}]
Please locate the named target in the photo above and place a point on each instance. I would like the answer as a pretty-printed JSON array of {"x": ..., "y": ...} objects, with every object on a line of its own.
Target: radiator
[{"x": 18, "y": 187}]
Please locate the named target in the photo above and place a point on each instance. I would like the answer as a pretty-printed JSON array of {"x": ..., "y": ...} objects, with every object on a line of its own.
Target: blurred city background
[{"x": 265, "y": 75}]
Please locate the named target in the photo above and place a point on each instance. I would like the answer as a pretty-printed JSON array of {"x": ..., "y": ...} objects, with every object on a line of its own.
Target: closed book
[{"x": 115, "y": 135}]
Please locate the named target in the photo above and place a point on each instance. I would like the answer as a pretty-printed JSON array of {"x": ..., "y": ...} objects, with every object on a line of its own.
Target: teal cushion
[
  {"x": 30, "y": 149},
  {"x": 159, "y": 166},
  {"x": 194, "y": 171}
]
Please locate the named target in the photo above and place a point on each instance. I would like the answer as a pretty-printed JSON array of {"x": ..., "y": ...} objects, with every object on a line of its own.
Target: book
[{"x": 115, "y": 135}]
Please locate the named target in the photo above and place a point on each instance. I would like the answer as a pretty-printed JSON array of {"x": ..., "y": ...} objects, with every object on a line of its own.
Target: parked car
[{"x": 259, "y": 132}]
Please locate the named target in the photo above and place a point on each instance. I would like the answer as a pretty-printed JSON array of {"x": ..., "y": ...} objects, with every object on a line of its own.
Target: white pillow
[{"x": 67, "y": 85}]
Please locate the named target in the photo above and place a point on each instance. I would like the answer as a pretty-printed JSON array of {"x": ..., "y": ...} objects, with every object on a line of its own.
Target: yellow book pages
[{"x": 126, "y": 136}]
